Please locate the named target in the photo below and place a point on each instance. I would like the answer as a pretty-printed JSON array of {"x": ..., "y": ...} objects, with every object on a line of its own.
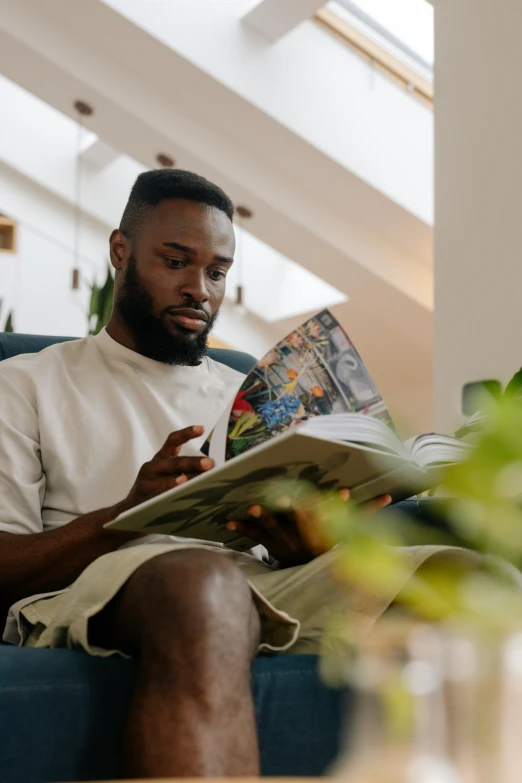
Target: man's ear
[{"x": 119, "y": 246}]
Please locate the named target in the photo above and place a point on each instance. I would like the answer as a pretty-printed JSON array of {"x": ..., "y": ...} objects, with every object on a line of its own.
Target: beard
[{"x": 154, "y": 339}]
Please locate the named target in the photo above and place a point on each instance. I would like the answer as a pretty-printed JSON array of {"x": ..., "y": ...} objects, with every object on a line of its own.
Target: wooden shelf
[{"x": 7, "y": 235}]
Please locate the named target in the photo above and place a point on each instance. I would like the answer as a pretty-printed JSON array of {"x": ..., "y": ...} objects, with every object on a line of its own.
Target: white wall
[
  {"x": 478, "y": 225},
  {"x": 40, "y": 142},
  {"x": 36, "y": 280}
]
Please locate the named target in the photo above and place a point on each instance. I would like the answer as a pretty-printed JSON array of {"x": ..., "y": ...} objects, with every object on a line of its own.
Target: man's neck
[{"x": 121, "y": 333}]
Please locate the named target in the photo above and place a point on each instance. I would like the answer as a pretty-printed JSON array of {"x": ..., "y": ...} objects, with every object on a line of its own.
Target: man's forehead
[
  {"x": 182, "y": 210},
  {"x": 184, "y": 217}
]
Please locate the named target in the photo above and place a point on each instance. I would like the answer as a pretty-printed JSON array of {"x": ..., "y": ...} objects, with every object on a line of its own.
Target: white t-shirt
[{"x": 79, "y": 419}]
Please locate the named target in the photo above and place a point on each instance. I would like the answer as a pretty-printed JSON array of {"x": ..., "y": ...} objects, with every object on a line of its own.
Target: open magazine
[
  {"x": 307, "y": 410},
  {"x": 315, "y": 371}
]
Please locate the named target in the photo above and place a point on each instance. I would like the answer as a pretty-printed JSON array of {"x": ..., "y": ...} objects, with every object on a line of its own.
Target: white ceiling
[
  {"x": 334, "y": 161},
  {"x": 282, "y": 290}
]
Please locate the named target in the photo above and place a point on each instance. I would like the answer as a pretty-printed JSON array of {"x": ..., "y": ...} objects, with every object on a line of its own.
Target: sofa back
[{"x": 12, "y": 344}]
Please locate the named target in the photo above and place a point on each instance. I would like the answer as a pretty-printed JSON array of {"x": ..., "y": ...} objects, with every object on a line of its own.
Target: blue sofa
[{"x": 62, "y": 713}]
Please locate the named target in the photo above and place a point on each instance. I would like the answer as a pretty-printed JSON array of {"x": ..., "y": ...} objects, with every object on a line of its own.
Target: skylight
[
  {"x": 403, "y": 27},
  {"x": 40, "y": 142}
]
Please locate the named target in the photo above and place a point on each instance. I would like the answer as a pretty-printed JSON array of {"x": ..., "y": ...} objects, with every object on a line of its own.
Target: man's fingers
[
  {"x": 235, "y": 526},
  {"x": 276, "y": 527},
  {"x": 372, "y": 505},
  {"x": 311, "y": 530},
  {"x": 167, "y": 484},
  {"x": 377, "y": 503},
  {"x": 255, "y": 531},
  {"x": 250, "y": 531},
  {"x": 172, "y": 466},
  {"x": 176, "y": 439}
]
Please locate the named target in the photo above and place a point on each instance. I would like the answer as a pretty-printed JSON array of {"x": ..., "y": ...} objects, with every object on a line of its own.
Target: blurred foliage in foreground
[{"x": 485, "y": 510}]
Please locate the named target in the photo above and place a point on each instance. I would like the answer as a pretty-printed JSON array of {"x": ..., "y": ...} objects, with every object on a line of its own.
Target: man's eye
[
  {"x": 218, "y": 274},
  {"x": 174, "y": 262}
]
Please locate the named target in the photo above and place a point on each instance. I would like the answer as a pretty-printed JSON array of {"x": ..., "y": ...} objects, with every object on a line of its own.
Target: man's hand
[
  {"x": 166, "y": 470},
  {"x": 52, "y": 560},
  {"x": 292, "y": 537}
]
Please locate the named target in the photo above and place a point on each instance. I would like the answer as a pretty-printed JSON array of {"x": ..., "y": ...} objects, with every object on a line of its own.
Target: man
[{"x": 83, "y": 435}]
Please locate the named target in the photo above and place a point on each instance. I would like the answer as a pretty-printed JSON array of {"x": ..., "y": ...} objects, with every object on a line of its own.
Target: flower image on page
[{"x": 314, "y": 371}]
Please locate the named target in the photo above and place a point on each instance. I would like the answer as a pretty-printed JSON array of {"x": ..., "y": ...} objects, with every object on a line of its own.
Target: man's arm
[{"x": 41, "y": 562}]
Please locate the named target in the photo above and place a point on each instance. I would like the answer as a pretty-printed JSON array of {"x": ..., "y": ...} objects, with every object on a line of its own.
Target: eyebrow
[{"x": 192, "y": 252}]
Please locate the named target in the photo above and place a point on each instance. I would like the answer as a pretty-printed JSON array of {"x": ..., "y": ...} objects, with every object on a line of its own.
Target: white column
[{"x": 478, "y": 197}]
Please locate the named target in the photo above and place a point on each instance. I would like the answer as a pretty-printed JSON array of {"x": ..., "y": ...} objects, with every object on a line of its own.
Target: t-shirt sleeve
[{"x": 22, "y": 481}]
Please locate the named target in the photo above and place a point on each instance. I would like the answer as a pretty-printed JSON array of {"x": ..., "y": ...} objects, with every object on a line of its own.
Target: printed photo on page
[{"x": 314, "y": 371}]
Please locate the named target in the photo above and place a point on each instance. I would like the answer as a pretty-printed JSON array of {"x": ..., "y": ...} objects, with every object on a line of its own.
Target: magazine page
[
  {"x": 215, "y": 445},
  {"x": 314, "y": 371}
]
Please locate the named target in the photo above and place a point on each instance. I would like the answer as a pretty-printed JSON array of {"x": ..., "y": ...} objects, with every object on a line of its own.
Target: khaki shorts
[{"x": 294, "y": 603}]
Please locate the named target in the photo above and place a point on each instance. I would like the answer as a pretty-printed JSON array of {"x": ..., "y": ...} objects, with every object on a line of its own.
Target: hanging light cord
[
  {"x": 239, "y": 261},
  {"x": 78, "y": 193}
]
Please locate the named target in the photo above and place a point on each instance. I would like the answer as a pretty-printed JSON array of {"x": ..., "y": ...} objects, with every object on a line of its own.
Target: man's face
[{"x": 170, "y": 278}]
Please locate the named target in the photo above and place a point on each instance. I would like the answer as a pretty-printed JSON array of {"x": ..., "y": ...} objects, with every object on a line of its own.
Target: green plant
[
  {"x": 482, "y": 399},
  {"x": 464, "y": 601},
  {"x": 8, "y": 327},
  {"x": 485, "y": 510},
  {"x": 514, "y": 387},
  {"x": 9, "y": 323},
  {"x": 100, "y": 305}
]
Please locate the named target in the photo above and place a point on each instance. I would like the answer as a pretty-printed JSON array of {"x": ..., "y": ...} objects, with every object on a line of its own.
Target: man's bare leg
[{"x": 189, "y": 619}]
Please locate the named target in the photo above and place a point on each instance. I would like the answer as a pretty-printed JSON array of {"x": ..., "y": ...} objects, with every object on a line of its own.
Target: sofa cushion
[
  {"x": 62, "y": 715},
  {"x": 12, "y": 344}
]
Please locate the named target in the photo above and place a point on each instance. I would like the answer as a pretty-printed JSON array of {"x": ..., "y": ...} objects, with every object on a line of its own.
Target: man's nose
[{"x": 195, "y": 286}]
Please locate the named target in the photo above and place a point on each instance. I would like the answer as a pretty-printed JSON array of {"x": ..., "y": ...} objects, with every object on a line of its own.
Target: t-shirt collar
[{"x": 120, "y": 352}]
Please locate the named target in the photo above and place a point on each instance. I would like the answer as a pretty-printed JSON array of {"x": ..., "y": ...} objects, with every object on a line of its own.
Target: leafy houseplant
[
  {"x": 483, "y": 397},
  {"x": 9, "y": 323},
  {"x": 100, "y": 305},
  {"x": 8, "y": 327},
  {"x": 439, "y": 679}
]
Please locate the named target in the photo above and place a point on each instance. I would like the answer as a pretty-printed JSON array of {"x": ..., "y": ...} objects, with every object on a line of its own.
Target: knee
[
  {"x": 195, "y": 594},
  {"x": 197, "y": 577}
]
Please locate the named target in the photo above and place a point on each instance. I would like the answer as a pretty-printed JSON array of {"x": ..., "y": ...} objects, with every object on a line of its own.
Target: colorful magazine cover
[{"x": 316, "y": 370}]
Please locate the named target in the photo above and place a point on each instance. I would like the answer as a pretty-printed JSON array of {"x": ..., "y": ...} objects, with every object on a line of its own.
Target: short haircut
[{"x": 154, "y": 186}]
